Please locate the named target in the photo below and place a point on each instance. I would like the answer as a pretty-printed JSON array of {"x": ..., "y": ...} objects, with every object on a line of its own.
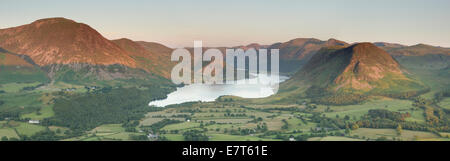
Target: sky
[{"x": 177, "y": 23}]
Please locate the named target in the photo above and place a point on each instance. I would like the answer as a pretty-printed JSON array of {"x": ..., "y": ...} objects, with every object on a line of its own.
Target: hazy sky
[{"x": 178, "y": 23}]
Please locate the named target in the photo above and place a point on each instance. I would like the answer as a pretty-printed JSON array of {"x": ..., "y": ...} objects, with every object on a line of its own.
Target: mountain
[
  {"x": 388, "y": 46},
  {"x": 255, "y": 46},
  {"x": 14, "y": 68},
  {"x": 419, "y": 50},
  {"x": 63, "y": 41},
  {"x": 361, "y": 68},
  {"x": 152, "y": 57},
  {"x": 76, "y": 53},
  {"x": 422, "y": 56},
  {"x": 303, "y": 48},
  {"x": 155, "y": 47},
  {"x": 297, "y": 52}
]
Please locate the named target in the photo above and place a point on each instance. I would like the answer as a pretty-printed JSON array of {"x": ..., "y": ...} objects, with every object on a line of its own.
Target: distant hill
[
  {"x": 297, "y": 52},
  {"x": 255, "y": 46},
  {"x": 388, "y": 46},
  {"x": 419, "y": 50},
  {"x": 422, "y": 56},
  {"x": 303, "y": 48},
  {"x": 361, "y": 69}
]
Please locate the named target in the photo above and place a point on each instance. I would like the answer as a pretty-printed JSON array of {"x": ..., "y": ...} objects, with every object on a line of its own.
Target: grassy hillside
[
  {"x": 348, "y": 75},
  {"x": 15, "y": 69}
]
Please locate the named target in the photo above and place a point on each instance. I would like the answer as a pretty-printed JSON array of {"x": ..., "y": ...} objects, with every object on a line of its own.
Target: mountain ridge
[{"x": 62, "y": 41}]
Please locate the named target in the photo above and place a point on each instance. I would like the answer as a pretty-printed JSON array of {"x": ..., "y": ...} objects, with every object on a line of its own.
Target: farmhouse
[{"x": 33, "y": 121}]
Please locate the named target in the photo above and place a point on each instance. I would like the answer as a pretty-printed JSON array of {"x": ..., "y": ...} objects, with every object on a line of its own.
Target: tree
[
  {"x": 347, "y": 131},
  {"x": 4, "y": 138},
  {"x": 347, "y": 117},
  {"x": 399, "y": 129},
  {"x": 355, "y": 126}
]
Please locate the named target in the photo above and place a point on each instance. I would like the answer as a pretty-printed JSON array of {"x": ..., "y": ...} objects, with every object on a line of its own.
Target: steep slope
[
  {"x": 75, "y": 53},
  {"x": 152, "y": 57},
  {"x": 13, "y": 68},
  {"x": 362, "y": 68},
  {"x": 62, "y": 41},
  {"x": 155, "y": 47}
]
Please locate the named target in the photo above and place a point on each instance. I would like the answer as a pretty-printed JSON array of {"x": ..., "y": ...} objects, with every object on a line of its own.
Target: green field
[
  {"x": 88, "y": 115},
  {"x": 16, "y": 87},
  {"x": 225, "y": 137},
  {"x": 445, "y": 103},
  {"x": 8, "y": 132},
  {"x": 28, "y": 129},
  {"x": 333, "y": 138},
  {"x": 407, "y": 135}
]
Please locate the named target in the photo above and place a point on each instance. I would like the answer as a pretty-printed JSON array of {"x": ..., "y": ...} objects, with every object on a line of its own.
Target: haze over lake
[{"x": 210, "y": 92}]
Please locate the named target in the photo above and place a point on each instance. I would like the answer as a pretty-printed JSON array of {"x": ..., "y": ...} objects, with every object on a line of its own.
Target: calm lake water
[{"x": 208, "y": 92}]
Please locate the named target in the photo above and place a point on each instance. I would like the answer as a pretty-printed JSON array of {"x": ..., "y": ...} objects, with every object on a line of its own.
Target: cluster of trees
[
  {"x": 407, "y": 95},
  {"x": 391, "y": 115},
  {"x": 255, "y": 120},
  {"x": 11, "y": 115},
  {"x": 329, "y": 123},
  {"x": 189, "y": 110},
  {"x": 221, "y": 99},
  {"x": 316, "y": 91},
  {"x": 158, "y": 125},
  {"x": 234, "y": 114},
  {"x": 439, "y": 96},
  {"x": 195, "y": 135},
  {"x": 304, "y": 137},
  {"x": 87, "y": 111},
  {"x": 390, "y": 124},
  {"x": 285, "y": 124},
  {"x": 436, "y": 118},
  {"x": 30, "y": 88},
  {"x": 130, "y": 126},
  {"x": 340, "y": 99},
  {"x": 389, "y": 119},
  {"x": 261, "y": 127},
  {"x": 46, "y": 135}
]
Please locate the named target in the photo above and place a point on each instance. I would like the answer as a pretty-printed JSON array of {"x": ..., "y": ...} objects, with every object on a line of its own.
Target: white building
[{"x": 33, "y": 121}]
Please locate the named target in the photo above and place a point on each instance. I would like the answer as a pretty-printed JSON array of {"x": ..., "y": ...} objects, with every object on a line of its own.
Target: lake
[{"x": 210, "y": 92}]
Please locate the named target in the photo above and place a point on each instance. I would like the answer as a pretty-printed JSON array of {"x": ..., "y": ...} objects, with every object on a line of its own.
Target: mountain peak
[
  {"x": 124, "y": 39},
  {"x": 362, "y": 67},
  {"x": 363, "y": 45},
  {"x": 366, "y": 48},
  {"x": 63, "y": 41},
  {"x": 420, "y": 45},
  {"x": 302, "y": 41},
  {"x": 53, "y": 20},
  {"x": 332, "y": 41}
]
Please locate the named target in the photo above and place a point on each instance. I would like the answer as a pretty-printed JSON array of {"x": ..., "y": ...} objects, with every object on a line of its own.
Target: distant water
[{"x": 208, "y": 92}]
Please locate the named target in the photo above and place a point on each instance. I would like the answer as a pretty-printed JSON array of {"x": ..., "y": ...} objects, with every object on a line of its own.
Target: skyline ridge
[
  {"x": 241, "y": 45},
  {"x": 233, "y": 23}
]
